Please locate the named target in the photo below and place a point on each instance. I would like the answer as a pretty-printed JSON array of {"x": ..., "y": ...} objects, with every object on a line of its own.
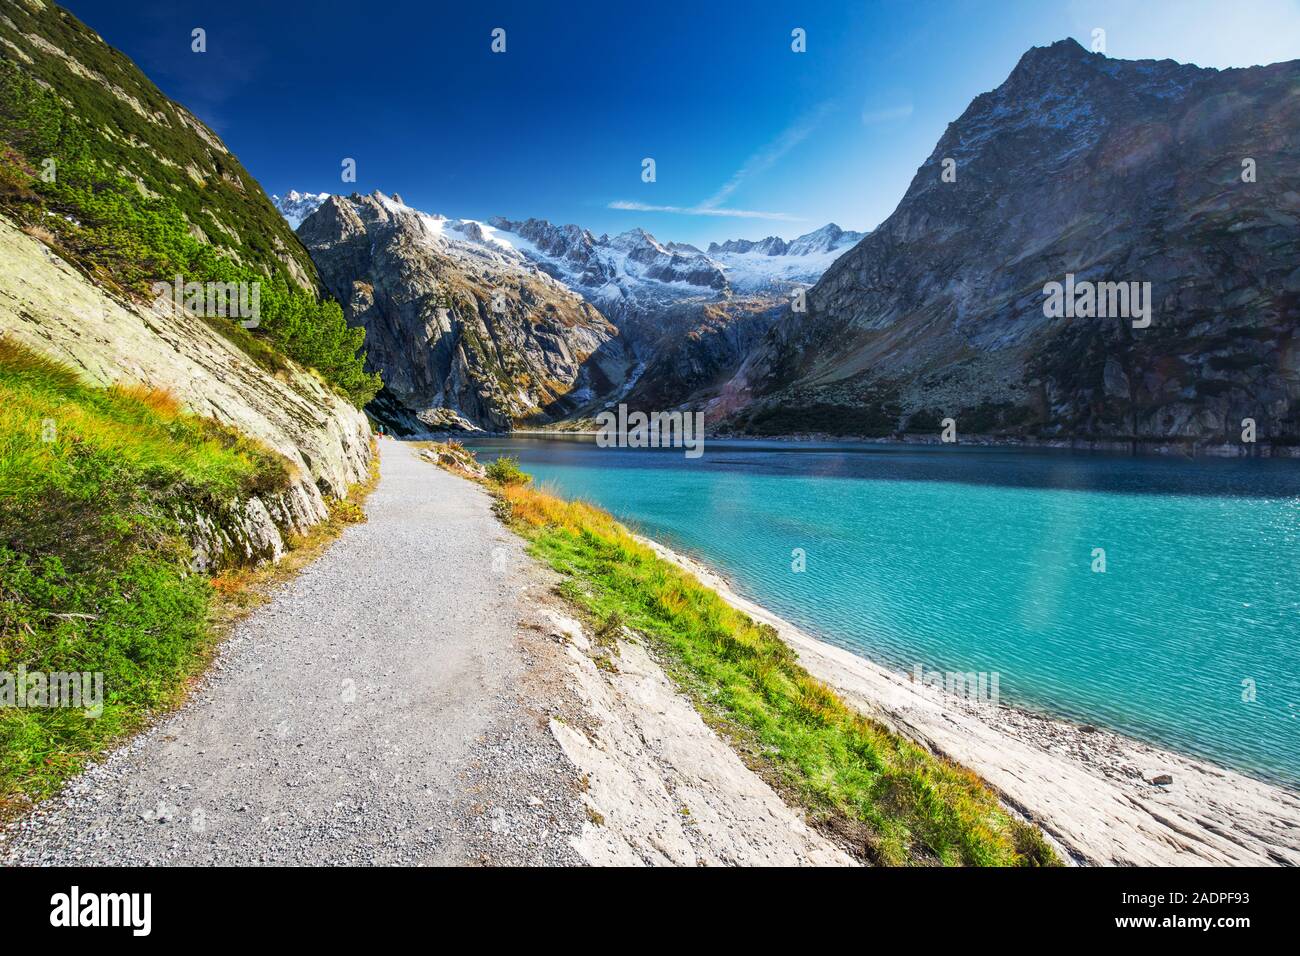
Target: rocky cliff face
[
  {"x": 698, "y": 350},
  {"x": 1106, "y": 170},
  {"x": 50, "y": 307},
  {"x": 466, "y": 332}
]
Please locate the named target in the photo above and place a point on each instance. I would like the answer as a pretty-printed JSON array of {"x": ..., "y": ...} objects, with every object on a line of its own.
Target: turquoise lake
[{"x": 981, "y": 559}]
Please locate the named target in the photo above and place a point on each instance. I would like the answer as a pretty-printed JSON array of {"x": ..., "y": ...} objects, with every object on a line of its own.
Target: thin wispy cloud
[
  {"x": 767, "y": 157},
  {"x": 871, "y": 117},
  {"x": 702, "y": 210},
  {"x": 756, "y": 164}
]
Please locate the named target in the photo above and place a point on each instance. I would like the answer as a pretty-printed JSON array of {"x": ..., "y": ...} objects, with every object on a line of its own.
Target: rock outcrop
[
  {"x": 1106, "y": 170},
  {"x": 50, "y": 307},
  {"x": 465, "y": 331}
]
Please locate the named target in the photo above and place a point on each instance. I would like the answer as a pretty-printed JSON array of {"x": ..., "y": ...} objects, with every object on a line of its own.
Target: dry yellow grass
[{"x": 162, "y": 400}]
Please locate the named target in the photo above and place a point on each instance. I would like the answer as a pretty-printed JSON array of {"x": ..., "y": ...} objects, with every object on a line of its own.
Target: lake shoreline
[
  {"x": 1091, "y": 790},
  {"x": 1143, "y": 447}
]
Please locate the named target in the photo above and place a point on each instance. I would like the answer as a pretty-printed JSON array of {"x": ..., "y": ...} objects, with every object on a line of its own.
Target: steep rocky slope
[
  {"x": 465, "y": 331},
  {"x": 1109, "y": 170},
  {"x": 694, "y": 347},
  {"x": 50, "y": 307},
  {"x": 139, "y": 187},
  {"x": 150, "y": 138}
]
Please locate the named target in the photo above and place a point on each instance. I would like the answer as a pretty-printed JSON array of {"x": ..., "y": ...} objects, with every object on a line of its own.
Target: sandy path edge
[{"x": 1086, "y": 788}]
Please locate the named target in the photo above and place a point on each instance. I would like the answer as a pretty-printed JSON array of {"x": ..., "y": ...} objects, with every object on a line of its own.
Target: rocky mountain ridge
[
  {"x": 467, "y": 333},
  {"x": 1105, "y": 170},
  {"x": 623, "y": 269},
  {"x": 666, "y": 307},
  {"x": 825, "y": 239}
]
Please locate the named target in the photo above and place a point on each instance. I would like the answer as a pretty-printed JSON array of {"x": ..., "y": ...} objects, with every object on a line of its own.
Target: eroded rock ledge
[{"x": 50, "y": 307}]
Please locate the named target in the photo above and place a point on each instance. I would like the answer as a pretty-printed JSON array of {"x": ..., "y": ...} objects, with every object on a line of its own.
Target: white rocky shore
[
  {"x": 1090, "y": 790},
  {"x": 661, "y": 787}
]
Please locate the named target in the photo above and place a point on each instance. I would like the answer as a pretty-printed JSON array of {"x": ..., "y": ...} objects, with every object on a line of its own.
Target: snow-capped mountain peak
[
  {"x": 828, "y": 238},
  {"x": 771, "y": 246},
  {"x": 775, "y": 265},
  {"x": 296, "y": 206},
  {"x": 630, "y": 270}
]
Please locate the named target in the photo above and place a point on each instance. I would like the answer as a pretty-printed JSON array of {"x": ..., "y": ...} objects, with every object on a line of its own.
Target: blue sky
[{"x": 749, "y": 138}]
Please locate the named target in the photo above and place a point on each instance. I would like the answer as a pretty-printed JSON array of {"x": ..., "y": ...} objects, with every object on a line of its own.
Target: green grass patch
[
  {"x": 901, "y": 804},
  {"x": 94, "y": 570}
]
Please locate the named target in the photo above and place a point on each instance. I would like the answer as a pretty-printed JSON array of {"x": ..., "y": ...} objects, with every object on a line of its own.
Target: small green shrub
[{"x": 505, "y": 471}]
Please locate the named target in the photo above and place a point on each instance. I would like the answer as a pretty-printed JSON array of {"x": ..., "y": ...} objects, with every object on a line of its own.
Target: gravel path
[{"x": 385, "y": 707}]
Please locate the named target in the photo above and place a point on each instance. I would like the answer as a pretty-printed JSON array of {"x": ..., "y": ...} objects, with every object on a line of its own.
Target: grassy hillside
[
  {"x": 132, "y": 128},
  {"x": 133, "y": 190},
  {"x": 94, "y": 573}
]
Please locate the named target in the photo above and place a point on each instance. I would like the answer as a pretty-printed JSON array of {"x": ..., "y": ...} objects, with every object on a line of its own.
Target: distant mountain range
[
  {"x": 627, "y": 266},
  {"x": 631, "y": 265},
  {"x": 686, "y": 315},
  {"x": 1151, "y": 175}
]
